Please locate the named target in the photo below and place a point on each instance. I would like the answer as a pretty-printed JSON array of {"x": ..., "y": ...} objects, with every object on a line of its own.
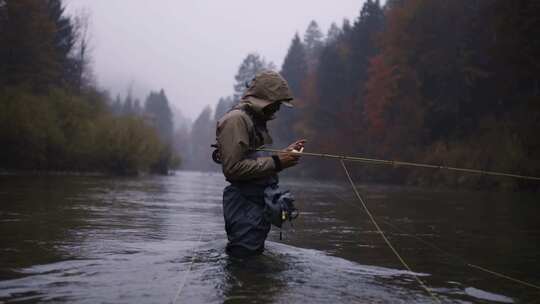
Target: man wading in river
[{"x": 253, "y": 201}]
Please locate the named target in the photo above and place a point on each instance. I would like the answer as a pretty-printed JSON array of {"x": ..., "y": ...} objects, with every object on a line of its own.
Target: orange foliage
[{"x": 380, "y": 89}]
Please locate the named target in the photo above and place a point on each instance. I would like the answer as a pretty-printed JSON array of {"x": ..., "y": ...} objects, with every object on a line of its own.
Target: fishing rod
[
  {"x": 397, "y": 163},
  {"x": 343, "y": 158}
]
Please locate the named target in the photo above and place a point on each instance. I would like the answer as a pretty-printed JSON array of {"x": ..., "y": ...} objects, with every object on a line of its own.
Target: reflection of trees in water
[
  {"x": 53, "y": 218},
  {"x": 38, "y": 213},
  {"x": 129, "y": 208}
]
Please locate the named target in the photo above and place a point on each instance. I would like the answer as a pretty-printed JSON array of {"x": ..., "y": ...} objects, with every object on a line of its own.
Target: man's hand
[
  {"x": 297, "y": 145},
  {"x": 287, "y": 157}
]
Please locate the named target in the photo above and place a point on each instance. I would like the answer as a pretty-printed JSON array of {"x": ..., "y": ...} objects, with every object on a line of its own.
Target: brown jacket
[
  {"x": 238, "y": 135},
  {"x": 243, "y": 129}
]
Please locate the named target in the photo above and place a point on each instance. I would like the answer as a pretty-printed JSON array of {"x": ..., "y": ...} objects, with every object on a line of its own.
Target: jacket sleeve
[{"x": 233, "y": 140}]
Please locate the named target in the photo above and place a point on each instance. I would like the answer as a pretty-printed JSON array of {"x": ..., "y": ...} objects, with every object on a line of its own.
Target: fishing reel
[{"x": 279, "y": 206}]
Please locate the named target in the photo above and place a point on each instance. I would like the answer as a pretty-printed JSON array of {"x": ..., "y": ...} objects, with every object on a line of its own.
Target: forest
[
  {"x": 53, "y": 118},
  {"x": 447, "y": 82}
]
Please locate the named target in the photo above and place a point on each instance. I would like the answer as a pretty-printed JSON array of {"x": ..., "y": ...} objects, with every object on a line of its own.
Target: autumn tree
[{"x": 340, "y": 80}]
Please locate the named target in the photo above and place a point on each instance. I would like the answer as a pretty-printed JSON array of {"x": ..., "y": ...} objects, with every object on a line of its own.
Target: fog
[{"x": 192, "y": 49}]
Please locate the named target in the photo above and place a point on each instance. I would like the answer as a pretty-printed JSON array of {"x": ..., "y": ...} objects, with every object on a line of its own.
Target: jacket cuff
[{"x": 277, "y": 163}]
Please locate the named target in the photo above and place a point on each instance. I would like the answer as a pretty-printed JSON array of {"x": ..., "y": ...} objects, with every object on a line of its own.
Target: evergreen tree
[
  {"x": 313, "y": 41},
  {"x": 363, "y": 35},
  {"x": 64, "y": 41},
  {"x": 28, "y": 54},
  {"x": 116, "y": 106},
  {"x": 294, "y": 66},
  {"x": 294, "y": 70},
  {"x": 249, "y": 67},
  {"x": 37, "y": 41},
  {"x": 81, "y": 74},
  {"x": 127, "y": 108},
  {"x": 334, "y": 32},
  {"x": 202, "y": 136},
  {"x": 158, "y": 111},
  {"x": 335, "y": 86},
  {"x": 137, "y": 109},
  {"x": 346, "y": 26},
  {"x": 157, "y": 108},
  {"x": 46, "y": 121},
  {"x": 391, "y": 4}
]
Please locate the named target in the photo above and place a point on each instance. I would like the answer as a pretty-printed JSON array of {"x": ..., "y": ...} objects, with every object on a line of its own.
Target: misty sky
[{"x": 192, "y": 48}]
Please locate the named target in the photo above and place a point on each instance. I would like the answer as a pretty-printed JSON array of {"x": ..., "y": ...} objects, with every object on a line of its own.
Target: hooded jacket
[
  {"x": 243, "y": 129},
  {"x": 239, "y": 133}
]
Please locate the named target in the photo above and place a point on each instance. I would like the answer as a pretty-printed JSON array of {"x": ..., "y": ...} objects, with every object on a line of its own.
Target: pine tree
[
  {"x": 294, "y": 66},
  {"x": 116, "y": 106},
  {"x": 313, "y": 40},
  {"x": 64, "y": 41},
  {"x": 363, "y": 36},
  {"x": 313, "y": 37},
  {"x": 159, "y": 113},
  {"x": 28, "y": 54},
  {"x": 81, "y": 76},
  {"x": 346, "y": 26},
  {"x": 127, "y": 108},
  {"x": 294, "y": 70},
  {"x": 334, "y": 32},
  {"x": 250, "y": 66},
  {"x": 202, "y": 136},
  {"x": 37, "y": 43},
  {"x": 157, "y": 107}
]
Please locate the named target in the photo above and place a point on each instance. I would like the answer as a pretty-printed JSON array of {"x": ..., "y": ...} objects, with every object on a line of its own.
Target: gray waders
[{"x": 245, "y": 223}]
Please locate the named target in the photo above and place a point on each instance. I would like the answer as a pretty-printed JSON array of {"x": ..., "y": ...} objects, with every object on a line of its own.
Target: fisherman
[{"x": 252, "y": 174}]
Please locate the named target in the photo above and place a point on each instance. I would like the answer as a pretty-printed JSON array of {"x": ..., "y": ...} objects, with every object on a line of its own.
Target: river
[{"x": 160, "y": 239}]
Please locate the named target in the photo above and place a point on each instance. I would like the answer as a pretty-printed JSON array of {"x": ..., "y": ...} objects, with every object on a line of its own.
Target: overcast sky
[{"x": 192, "y": 48}]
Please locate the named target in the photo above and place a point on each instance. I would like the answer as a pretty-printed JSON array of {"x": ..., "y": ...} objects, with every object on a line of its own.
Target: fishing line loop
[
  {"x": 455, "y": 256},
  {"x": 187, "y": 272},
  {"x": 428, "y": 290}
]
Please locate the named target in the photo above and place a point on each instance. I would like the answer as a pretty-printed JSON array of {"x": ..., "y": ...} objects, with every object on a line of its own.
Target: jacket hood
[
  {"x": 268, "y": 87},
  {"x": 255, "y": 105}
]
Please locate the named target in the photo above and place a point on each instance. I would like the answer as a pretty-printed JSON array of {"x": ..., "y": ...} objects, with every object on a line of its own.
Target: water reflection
[{"x": 162, "y": 240}]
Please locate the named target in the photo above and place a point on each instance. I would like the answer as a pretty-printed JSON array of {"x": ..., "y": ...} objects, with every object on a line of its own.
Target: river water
[{"x": 161, "y": 240}]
